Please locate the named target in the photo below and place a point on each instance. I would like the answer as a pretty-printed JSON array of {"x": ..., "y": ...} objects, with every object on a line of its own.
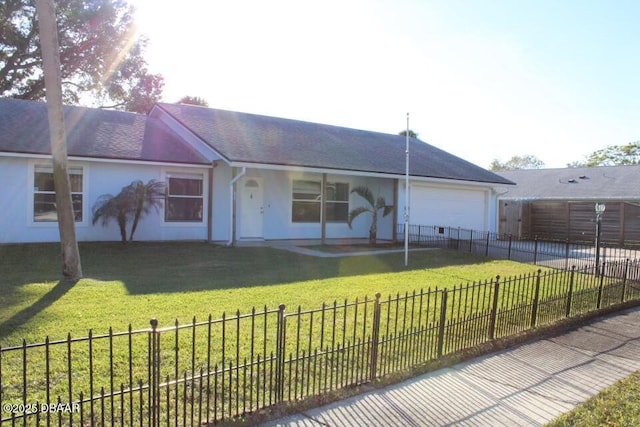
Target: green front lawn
[{"x": 132, "y": 284}]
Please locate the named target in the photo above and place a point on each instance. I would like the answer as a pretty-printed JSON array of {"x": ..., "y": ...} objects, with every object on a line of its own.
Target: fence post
[
  {"x": 624, "y": 279},
  {"x": 154, "y": 387},
  {"x": 535, "y": 250},
  {"x": 486, "y": 249},
  {"x": 510, "y": 239},
  {"x": 566, "y": 255},
  {"x": 494, "y": 309},
  {"x": 536, "y": 300},
  {"x": 570, "y": 296},
  {"x": 443, "y": 319},
  {"x": 280, "y": 353},
  {"x": 375, "y": 338},
  {"x": 599, "y": 303},
  {"x": 470, "y": 241}
]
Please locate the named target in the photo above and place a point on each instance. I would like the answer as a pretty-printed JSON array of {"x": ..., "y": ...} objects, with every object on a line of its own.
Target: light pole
[{"x": 599, "y": 208}]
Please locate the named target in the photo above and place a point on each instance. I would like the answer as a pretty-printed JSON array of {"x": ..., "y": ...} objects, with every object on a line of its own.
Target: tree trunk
[
  {"x": 373, "y": 231},
  {"x": 122, "y": 224},
  {"x": 71, "y": 266}
]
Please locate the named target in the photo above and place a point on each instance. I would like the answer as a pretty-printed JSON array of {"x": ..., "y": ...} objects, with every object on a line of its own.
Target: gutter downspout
[
  {"x": 232, "y": 204},
  {"x": 214, "y": 164}
]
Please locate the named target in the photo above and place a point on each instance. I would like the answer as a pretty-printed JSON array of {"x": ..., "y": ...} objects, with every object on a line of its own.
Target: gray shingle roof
[
  {"x": 596, "y": 183},
  {"x": 92, "y": 133},
  {"x": 241, "y": 137}
]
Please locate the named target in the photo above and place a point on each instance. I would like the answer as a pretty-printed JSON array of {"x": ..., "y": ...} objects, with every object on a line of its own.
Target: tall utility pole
[{"x": 71, "y": 265}]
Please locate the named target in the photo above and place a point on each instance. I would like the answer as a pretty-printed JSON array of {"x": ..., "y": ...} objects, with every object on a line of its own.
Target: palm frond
[
  {"x": 381, "y": 203},
  {"x": 144, "y": 197},
  {"x": 356, "y": 212},
  {"x": 104, "y": 209},
  {"x": 366, "y": 194}
]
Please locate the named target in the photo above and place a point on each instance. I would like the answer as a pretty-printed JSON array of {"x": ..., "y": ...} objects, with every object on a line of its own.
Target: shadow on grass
[
  {"x": 27, "y": 313},
  {"x": 168, "y": 267}
]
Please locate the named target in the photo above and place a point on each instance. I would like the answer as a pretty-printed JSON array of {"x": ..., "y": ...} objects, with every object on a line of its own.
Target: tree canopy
[
  {"x": 526, "y": 161},
  {"x": 613, "y": 155},
  {"x": 193, "y": 100},
  {"x": 100, "y": 53},
  {"x": 411, "y": 133}
]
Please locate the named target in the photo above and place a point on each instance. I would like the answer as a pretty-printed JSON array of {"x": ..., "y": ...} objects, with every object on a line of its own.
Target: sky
[{"x": 481, "y": 79}]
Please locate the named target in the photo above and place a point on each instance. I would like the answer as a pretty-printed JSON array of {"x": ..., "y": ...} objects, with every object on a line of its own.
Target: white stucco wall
[
  {"x": 457, "y": 205},
  {"x": 277, "y": 206},
  {"x": 16, "y": 202}
]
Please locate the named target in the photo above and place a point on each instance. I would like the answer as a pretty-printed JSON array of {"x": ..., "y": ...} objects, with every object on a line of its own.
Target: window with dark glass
[
  {"x": 44, "y": 194},
  {"x": 306, "y": 198},
  {"x": 337, "y": 204},
  {"x": 307, "y": 201},
  {"x": 185, "y": 199}
]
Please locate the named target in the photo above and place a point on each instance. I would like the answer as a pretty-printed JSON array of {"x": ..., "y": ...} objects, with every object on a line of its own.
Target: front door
[{"x": 251, "y": 209}]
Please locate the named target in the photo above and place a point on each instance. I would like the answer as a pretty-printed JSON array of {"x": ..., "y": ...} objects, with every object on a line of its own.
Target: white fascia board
[
  {"x": 185, "y": 133},
  {"x": 454, "y": 182},
  {"x": 287, "y": 168},
  {"x": 103, "y": 160},
  {"x": 572, "y": 199},
  {"x": 415, "y": 179}
]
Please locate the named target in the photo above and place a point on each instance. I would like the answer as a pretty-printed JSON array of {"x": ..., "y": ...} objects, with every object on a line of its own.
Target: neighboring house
[
  {"x": 559, "y": 204},
  {"x": 230, "y": 176}
]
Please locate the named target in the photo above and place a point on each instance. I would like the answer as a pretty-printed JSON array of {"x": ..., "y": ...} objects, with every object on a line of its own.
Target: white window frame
[
  {"x": 185, "y": 175},
  {"x": 34, "y": 166},
  {"x": 318, "y": 200},
  {"x": 339, "y": 202}
]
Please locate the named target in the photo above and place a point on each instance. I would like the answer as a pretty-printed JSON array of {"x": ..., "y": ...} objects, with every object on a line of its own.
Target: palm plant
[
  {"x": 144, "y": 198},
  {"x": 375, "y": 205},
  {"x": 109, "y": 207},
  {"x": 132, "y": 203}
]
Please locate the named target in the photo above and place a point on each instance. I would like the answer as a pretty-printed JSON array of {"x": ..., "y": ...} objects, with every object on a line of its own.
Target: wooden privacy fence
[{"x": 218, "y": 369}]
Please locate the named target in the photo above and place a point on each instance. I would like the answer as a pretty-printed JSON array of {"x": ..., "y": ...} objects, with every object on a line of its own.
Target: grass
[
  {"x": 177, "y": 282},
  {"x": 618, "y": 405},
  {"x": 169, "y": 281}
]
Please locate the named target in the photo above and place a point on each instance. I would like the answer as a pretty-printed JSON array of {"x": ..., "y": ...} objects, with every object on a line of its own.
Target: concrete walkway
[
  {"x": 325, "y": 254},
  {"x": 527, "y": 385}
]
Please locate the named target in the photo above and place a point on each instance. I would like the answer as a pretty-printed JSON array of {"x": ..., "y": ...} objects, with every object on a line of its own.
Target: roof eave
[{"x": 351, "y": 172}]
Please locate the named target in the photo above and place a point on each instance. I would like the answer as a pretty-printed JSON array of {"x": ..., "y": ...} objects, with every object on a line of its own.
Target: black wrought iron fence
[
  {"x": 213, "y": 370},
  {"x": 555, "y": 254}
]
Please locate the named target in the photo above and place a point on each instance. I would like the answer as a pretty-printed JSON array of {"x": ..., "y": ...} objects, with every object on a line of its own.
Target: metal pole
[
  {"x": 406, "y": 197},
  {"x": 598, "y": 244},
  {"x": 599, "y": 208}
]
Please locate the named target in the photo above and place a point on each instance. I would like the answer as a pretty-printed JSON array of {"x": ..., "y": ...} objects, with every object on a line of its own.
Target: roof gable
[
  {"x": 250, "y": 138},
  {"x": 92, "y": 133}
]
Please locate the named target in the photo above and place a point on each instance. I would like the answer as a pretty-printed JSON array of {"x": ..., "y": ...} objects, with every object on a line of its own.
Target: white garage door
[{"x": 448, "y": 207}]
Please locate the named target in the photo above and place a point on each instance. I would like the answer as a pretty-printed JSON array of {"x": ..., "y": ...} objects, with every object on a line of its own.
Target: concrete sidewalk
[{"x": 527, "y": 385}]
